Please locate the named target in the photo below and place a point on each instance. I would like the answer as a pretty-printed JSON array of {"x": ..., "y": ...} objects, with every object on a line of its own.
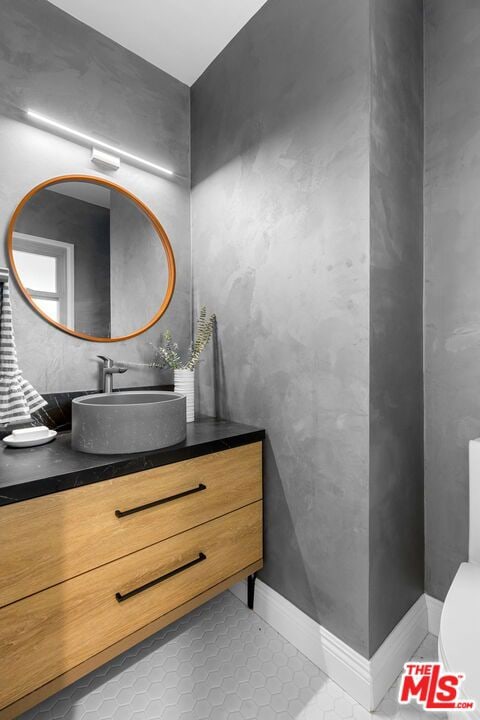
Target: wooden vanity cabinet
[{"x": 89, "y": 572}]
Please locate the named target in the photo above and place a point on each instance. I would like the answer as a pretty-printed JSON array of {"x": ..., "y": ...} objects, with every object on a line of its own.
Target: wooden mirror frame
[{"x": 153, "y": 219}]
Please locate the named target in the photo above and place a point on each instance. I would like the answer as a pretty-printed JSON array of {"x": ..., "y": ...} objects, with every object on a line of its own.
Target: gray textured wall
[
  {"x": 452, "y": 287},
  {"x": 396, "y": 315},
  {"x": 280, "y": 175},
  {"x": 87, "y": 227},
  {"x": 139, "y": 271},
  {"x": 53, "y": 63}
]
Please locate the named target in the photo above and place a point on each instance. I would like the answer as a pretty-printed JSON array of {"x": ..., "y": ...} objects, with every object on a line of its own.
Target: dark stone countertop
[{"x": 27, "y": 473}]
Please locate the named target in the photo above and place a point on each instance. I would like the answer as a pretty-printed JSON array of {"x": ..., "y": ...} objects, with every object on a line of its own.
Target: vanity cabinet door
[
  {"x": 55, "y": 630},
  {"x": 50, "y": 539}
]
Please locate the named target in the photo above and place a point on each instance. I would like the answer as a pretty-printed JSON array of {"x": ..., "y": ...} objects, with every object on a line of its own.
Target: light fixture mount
[{"x": 105, "y": 160}]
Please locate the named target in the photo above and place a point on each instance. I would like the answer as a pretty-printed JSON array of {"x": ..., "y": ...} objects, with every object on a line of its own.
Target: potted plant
[{"x": 167, "y": 355}]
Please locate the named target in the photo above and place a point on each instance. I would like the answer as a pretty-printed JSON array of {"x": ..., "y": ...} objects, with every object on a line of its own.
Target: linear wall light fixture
[{"x": 95, "y": 142}]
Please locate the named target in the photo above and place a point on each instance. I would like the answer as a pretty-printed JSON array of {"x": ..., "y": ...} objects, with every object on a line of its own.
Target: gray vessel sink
[{"x": 128, "y": 422}]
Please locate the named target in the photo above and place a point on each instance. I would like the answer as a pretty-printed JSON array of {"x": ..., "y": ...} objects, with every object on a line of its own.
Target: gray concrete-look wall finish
[
  {"x": 452, "y": 288},
  {"x": 396, "y": 314},
  {"x": 307, "y": 175},
  {"x": 139, "y": 270},
  {"x": 53, "y": 63},
  {"x": 280, "y": 204}
]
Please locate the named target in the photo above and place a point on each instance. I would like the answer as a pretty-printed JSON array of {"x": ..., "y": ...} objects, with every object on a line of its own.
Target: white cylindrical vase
[{"x": 184, "y": 382}]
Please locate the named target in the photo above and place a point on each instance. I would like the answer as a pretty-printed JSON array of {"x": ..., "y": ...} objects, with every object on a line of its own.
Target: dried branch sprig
[{"x": 204, "y": 333}]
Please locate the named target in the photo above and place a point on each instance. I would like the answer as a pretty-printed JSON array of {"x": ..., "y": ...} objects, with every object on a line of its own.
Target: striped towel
[{"x": 18, "y": 399}]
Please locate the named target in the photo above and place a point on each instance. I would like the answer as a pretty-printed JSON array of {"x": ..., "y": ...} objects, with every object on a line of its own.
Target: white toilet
[{"x": 459, "y": 636}]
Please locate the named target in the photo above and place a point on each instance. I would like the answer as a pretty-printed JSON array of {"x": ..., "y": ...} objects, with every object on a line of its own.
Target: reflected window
[
  {"x": 47, "y": 271},
  {"x": 49, "y": 307}
]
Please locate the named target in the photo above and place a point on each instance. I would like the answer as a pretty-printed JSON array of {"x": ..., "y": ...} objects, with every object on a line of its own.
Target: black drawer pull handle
[
  {"x": 152, "y": 583},
  {"x": 122, "y": 513}
]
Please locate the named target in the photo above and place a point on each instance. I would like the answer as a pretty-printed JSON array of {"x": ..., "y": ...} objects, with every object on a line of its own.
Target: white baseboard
[
  {"x": 396, "y": 649},
  {"x": 434, "y": 610},
  {"x": 366, "y": 681},
  {"x": 338, "y": 660}
]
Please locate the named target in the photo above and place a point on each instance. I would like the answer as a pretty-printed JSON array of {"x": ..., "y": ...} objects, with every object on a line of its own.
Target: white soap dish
[{"x": 29, "y": 440}]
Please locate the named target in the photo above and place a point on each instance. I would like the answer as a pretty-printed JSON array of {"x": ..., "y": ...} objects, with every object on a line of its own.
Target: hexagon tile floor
[{"x": 221, "y": 662}]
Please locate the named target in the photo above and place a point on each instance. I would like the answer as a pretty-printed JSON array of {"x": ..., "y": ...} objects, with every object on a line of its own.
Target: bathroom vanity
[{"x": 99, "y": 552}]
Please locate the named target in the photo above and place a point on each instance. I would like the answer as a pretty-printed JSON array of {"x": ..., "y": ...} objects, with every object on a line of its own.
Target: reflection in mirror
[{"x": 90, "y": 258}]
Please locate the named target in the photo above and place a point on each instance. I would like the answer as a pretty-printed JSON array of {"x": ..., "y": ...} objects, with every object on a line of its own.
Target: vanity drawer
[
  {"x": 45, "y": 635},
  {"x": 50, "y": 539}
]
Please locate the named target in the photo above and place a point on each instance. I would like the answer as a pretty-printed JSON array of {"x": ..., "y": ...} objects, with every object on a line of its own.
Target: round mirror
[{"x": 91, "y": 258}]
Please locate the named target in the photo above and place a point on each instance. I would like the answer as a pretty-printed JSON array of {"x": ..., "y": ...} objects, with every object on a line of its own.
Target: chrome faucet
[{"x": 108, "y": 370}]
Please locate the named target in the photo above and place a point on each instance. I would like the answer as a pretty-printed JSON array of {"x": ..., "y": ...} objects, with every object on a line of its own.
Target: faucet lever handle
[{"x": 107, "y": 362}]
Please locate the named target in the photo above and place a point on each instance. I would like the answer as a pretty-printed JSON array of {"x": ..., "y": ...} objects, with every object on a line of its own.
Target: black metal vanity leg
[{"x": 251, "y": 590}]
